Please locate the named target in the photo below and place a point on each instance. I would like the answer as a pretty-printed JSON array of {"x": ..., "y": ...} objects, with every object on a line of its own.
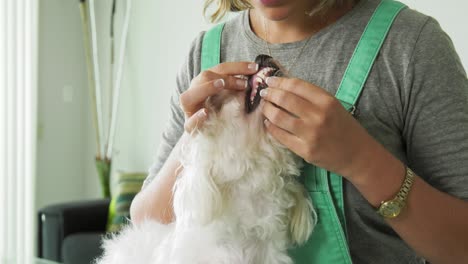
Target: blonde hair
[{"x": 225, "y": 6}]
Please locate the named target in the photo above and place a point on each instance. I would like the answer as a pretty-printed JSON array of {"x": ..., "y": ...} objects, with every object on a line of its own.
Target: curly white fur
[{"x": 237, "y": 200}]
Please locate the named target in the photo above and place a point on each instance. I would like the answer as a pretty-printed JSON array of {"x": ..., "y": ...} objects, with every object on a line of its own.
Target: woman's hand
[
  {"x": 209, "y": 83},
  {"x": 313, "y": 124}
]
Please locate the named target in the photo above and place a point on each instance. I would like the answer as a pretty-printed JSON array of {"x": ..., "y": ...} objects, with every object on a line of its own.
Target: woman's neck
[{"x": 293, "y": 28}]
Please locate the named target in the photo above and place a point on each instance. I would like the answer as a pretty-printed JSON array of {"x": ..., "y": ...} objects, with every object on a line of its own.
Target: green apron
[{"x": 328, "y": 242}]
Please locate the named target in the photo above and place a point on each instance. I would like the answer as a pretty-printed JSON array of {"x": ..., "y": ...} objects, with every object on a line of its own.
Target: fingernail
[
  {"x": 241, "y": 83},
  {"x": 266, "y": 122},
  {"x": 271, "y": 81},
  {"x": 253, "y": 66},
  {"x": 219, "y": 83},
  {"x": 201, "y": 112},
  {"x": 263, "y": 92}
]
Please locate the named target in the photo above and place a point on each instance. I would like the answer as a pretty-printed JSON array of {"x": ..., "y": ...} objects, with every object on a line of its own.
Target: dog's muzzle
[{"x": 256, "y": 82}]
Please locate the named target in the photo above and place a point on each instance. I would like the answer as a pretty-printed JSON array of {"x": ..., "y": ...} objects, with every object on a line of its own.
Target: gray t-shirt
[{"x": 415, "y": 103}]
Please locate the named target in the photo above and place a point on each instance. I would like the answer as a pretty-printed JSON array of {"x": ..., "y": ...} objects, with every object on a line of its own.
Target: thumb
[{"x": 196, "y": 121}]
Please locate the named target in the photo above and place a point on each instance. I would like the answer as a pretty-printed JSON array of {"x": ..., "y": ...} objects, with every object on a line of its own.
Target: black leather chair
[{"x": 71, "y": 233}]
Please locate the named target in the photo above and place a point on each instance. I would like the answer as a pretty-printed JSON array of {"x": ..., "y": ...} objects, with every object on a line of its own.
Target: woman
[{"x": 413, "y": 112}]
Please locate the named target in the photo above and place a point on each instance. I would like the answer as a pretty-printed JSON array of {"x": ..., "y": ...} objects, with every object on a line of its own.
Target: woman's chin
[{"x": 277, "y": 13}]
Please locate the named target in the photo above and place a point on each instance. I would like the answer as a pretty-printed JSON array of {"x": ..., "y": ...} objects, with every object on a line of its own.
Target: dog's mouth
[{"x": 257, "y": 82}]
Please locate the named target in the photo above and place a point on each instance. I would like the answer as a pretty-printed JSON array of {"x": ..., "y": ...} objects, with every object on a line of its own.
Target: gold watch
[{"x": 393, "y": 207}]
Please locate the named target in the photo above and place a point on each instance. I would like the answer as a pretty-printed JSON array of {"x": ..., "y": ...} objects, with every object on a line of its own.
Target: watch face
[{"x": 390, "y": 209}]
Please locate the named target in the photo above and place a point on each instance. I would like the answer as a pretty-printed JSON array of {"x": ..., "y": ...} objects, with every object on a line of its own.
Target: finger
[
  {"x": 281, "y": 118},
  {"x": 191, "y": 99},
  {"x": 196, "y": 121},
  {"x": 301, "y": 88},
  {"x": 288, "y": 140},
  {"x": 231, "y": 82},
  {"x": 236, "y": 68},
  {"x": 292, "y": 103}
]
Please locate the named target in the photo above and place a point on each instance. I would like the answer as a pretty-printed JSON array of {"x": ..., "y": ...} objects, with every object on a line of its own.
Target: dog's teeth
[
  {"x": 254, "y": 92},
  {"x": 265, "y": 72},
  {"x": 258, "y": 81}
]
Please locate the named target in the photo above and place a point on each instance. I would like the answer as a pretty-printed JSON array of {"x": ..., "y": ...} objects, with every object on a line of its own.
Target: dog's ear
[{"x": 302, "y": 216}]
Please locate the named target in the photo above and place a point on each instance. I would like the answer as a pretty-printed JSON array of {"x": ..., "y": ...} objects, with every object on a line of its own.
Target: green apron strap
[
  {"x": 328, "y": 243},
  {"x": 358, "y": 70},
  {"x": 366, "y": 52},
  {"x": 211, "y": 47}
]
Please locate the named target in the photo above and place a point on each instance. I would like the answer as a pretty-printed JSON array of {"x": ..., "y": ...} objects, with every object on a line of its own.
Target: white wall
[
  {"x": 159, "y": 38},
  {"x": 62, "y": 106}
]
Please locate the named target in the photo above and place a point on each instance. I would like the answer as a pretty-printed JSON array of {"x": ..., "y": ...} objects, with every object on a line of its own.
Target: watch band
[
  {"x": 402, "y": 195},
  {"x": 392, "y": 208}
]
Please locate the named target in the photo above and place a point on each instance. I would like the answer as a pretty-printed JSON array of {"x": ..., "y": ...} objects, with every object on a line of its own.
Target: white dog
[{"x": 237, "y": 200}]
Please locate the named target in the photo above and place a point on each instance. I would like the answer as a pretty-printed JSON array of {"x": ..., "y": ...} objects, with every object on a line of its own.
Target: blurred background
[
  {"x": 158, "y": 40},
  {"x": 62, "y": 166}
]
